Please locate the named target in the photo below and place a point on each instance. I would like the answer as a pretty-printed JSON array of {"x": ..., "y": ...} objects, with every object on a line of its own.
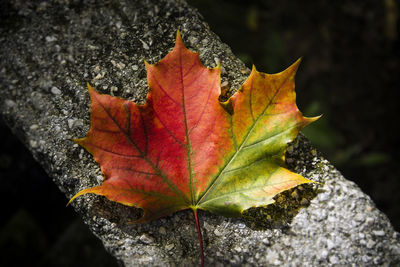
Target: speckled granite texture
[{"x": 50, "y": 49}]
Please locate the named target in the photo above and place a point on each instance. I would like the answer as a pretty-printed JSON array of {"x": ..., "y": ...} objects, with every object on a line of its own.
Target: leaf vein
[
  {"x": 269, "y": 137},
  {"x": 167, "y": 129}
]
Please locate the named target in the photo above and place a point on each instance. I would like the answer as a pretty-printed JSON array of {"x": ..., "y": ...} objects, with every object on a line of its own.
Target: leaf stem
[{"x": 196, "y": 218}]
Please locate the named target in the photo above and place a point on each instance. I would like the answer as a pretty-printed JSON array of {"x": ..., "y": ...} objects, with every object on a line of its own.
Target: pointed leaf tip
[
  {"x": 312, "y": 119},
  {"x": 295, "y": 66},
  {"x": 178, "y": 40}
]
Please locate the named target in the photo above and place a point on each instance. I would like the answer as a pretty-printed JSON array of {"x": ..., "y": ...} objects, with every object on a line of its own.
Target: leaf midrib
[{"x": 187, "y": 134}]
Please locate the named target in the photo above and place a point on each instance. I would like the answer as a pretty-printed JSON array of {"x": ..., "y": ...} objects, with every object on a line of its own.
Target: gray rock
[
  {"x": 55, "y": 90},
  {"x": 64, "y": 44}
]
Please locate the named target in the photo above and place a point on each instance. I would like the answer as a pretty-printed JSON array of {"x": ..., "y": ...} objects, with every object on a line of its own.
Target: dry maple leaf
[{"x": 184, "y": 149}]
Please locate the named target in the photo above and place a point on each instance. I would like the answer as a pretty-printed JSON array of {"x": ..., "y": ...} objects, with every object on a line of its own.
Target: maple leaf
[{"x": 184, "y": 149}]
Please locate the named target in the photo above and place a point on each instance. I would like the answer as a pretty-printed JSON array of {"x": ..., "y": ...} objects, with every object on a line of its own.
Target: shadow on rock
[
  {"x": 280, "y": 214},
  {"x": 115, "y": 212}
]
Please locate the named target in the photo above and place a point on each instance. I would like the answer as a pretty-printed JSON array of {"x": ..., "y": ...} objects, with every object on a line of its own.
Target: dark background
[{"x": 350, "y": 74}]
